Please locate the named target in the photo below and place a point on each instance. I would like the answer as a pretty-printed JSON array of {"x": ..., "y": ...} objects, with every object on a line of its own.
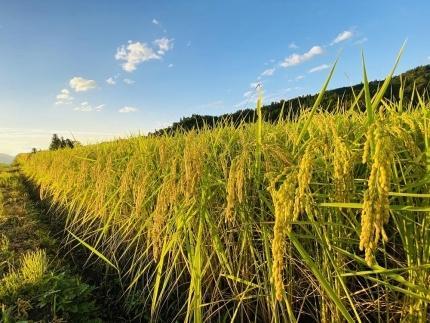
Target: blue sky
[{"x": 103, "y": 69}]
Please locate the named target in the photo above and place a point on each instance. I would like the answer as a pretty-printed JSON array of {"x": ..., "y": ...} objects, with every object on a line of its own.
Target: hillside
[
  {"x": 420, "y": 76},
  {"x": 6, "y": 159}
]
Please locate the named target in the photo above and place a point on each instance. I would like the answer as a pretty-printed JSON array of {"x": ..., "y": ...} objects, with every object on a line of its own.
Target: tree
[
  {"x": 60, "y": 143},
  {"x": 55, "y": 142}
]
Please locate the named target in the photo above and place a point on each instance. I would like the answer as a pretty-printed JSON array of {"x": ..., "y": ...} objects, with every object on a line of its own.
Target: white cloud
[
  {"x": 64, "y": 97},
  {"x": 170, "y": 65},
  {"x": 111, "y": 81},
  {"x": 300, "y": 77},
  {"x": 319, "y": 68},
  {"x": 361, "y": 41},
  {"x": 155, "y": 21},
  {"x": 268, "y": 72},
  {"x": 247, "y": 94},
  {"x": 249, "y": 98},
  {"x": 134, "y": 54},
  {"x": 164, "y": 45},
  {"x": 428, "y": 57},
  {"x": 128, "y": 81},
  {"x": 127, "y": 109},
  {"x": 344, "y": 35},
  {"x": 296, "y": 59},
  {"x": 86, "y": 107},
  {"x": 254, "y": 84},
  {"x": 293, "y": 45},
  {"x": 79, "y": 84},
  {"x": 246, "y": 102}
]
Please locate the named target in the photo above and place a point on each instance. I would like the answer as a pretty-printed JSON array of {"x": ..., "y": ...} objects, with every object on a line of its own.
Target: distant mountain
[
  {"x": 418, "y": 78},
  {"x": 6, "y": 159}
]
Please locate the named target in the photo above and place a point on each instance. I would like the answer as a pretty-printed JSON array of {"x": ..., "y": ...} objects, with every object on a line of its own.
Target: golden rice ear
[
  {"x": 283, "y": 201},
  {"x": 375, "y": 211},
  {"x": 343, "y": 166},
  {"x": 237, "y": 181},
  {"x": 304, "y": 177}
]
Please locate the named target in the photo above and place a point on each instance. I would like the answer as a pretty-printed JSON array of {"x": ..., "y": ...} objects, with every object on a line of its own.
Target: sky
[{"x": 97, "y": 70}]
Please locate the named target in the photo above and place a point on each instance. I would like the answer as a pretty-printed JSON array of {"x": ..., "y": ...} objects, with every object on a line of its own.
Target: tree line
[
  {"x": 61, "y": 143},
  {"x": 417, "y": 79}
]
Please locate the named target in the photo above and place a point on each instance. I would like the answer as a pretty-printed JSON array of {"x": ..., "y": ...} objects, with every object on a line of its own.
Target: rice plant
[{"x": 323, "y": 217}]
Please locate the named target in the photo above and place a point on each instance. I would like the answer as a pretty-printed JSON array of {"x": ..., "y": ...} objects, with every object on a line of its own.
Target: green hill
[{"x": 418, "y": 77}]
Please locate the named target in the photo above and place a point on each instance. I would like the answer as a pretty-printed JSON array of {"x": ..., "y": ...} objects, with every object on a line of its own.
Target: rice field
[{"x": 322, "y": 217}]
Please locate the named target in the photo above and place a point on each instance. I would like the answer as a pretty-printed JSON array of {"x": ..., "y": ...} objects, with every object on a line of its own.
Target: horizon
[{"x": 64, "y": 75}]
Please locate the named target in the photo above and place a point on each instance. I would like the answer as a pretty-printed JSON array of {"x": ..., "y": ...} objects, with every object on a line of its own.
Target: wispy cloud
[
  {"x": 246, "y": 102},
  {"x": 344, "y": 35},
  {"x": 268, "y": 72},
  {"x": 300, "y": 77},
  {"x": 164, "y": 44},
  {"x": 86, "y": 107},
  {"x": 296, "y": 59},
  {"x": 80, "y": 84},
  {"x": 111, "y": 81},
  {"x": 128, "y": 81},
  {"x": 64, "y": 97},
  {"x": 250, "y": 97},
  {"x": 319, "y": 68},
  {"x": 159, "y": 24},
  {"x": 127, "y": 109},
  {"x": 170, "y": 65},
  {"x": 134, "y": 54},
  {"x": 293, "y": 45},
  {"x": 248, "y": 94},
  {"x": 361, "y": 41}
]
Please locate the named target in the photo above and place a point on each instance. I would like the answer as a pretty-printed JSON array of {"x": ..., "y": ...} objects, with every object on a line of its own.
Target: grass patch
[{"x": 34, "y": 284}]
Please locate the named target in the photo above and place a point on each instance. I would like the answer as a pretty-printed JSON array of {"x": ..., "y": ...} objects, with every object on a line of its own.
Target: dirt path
[{"x": 35, "y": 284}]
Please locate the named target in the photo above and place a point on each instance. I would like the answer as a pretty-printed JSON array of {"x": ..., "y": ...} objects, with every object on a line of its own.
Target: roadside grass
[{"x": 34, "y": 283}]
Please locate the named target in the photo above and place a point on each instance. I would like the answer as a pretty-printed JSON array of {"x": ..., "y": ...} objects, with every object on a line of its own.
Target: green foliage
[
  {"x": 60, "y": 143},
  {"x": 35, "y": 287},
  {"x": 52, "y": 295}
]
